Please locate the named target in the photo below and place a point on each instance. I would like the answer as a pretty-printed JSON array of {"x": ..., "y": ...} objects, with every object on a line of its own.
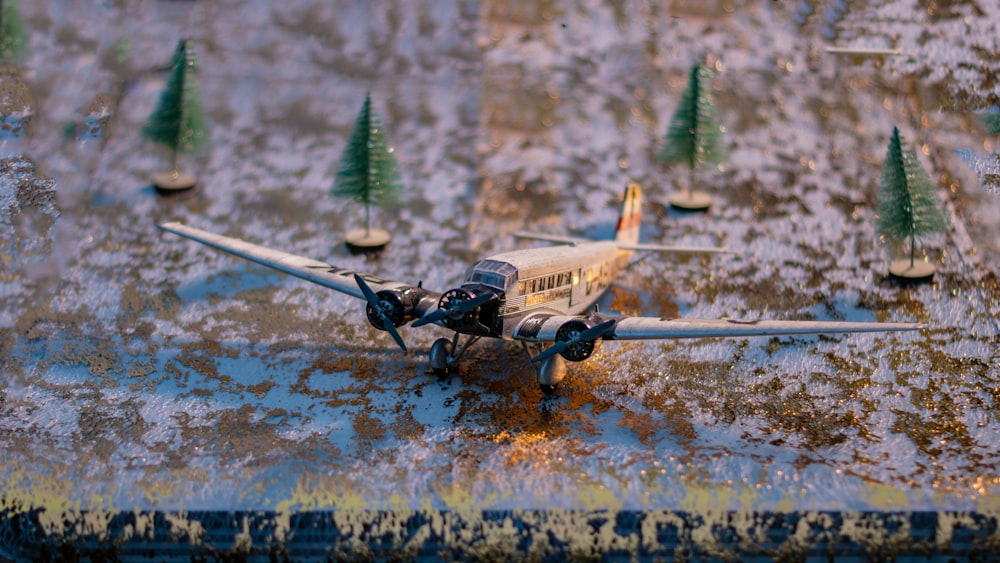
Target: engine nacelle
[
  {"x": 577, "y": 349},
  {"x": 399, "y": 305}
]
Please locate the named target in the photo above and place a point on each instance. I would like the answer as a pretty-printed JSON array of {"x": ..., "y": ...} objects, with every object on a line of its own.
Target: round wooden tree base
[
  {"x": 919, "y": 271},
  {"x": 360, "y": 241},
  {"x": 693, "y": 201},
  {"x": 167, "y": 183}
]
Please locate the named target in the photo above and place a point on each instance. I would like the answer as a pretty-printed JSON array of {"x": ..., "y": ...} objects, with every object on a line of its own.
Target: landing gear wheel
[
  {"x": 550, "y": 373},
  {"x": 440, "y": 356}
]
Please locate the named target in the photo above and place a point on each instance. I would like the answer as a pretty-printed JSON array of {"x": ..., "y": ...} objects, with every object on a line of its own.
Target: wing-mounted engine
[
  {"x": 397, "y": 305},
  {"x": 575, "y": 348},
  {"x": 578, "y": 338}
]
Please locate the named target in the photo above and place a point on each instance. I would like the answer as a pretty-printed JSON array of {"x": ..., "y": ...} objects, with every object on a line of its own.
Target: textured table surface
[{"x": 141, "y": 371}]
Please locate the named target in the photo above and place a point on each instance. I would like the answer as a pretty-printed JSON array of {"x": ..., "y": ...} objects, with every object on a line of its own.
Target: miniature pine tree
[
  {"x": 695, "y": 135},
  {"x": 367, "y": 172},
  {"x": 178, "y": 121},
  {"x": 12, "y": 38},
  {"x": 990, "y": 120},
  {"x": 907, "y": 204}
]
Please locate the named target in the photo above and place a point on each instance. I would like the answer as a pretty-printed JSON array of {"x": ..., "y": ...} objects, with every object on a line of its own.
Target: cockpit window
[
  {"x": 492, "y": 273},
  {"x": 489, "y": 279}
]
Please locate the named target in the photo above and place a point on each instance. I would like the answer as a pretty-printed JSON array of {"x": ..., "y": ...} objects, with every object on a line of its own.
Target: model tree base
[
  {"x": 918, "y": 271},
  {"x": 690, "y": 201},
  {"x": 361, "y": 241},
  {"x": 170, "y": 183}
]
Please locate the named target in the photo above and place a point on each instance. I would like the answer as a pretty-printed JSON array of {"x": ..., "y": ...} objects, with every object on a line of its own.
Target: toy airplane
[{"x": 536, "y": 296}]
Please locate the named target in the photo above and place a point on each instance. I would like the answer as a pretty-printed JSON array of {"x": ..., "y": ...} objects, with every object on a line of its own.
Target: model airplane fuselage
[
  {"x": 562, "y": 280},
  {"x": 538, "y": 295}
]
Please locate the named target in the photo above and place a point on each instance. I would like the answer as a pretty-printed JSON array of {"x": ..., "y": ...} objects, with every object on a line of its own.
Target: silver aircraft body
[{"x": 540, "y": 296}]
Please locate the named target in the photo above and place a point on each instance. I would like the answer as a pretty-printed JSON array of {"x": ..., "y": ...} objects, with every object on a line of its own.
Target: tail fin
[{"x": 627, "y": 231}]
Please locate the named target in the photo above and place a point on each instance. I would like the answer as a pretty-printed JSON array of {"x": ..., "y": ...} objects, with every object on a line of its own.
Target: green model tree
[
  {"x": 12, "y": 37},
  {"x": 367, "y": 172},
  {"x": 695, "y": 137},
  {"x": 990, "y": 120},
  {"x": 178, "y": 122},
  {"x": 907, "y": 205}
]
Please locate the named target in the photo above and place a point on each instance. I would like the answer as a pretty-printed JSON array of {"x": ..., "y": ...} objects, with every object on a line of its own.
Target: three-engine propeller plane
[{"x": 536, "y": 296}]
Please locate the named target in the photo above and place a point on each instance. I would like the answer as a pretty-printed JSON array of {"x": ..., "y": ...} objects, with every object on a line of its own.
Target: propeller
[
  {"x": 589, "y": 335},
  {"x": 376, "y": 304},
  {"x": 455, "y": 311}
]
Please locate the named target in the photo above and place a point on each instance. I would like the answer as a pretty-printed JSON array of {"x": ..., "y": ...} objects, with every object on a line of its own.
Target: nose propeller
[
  {"x": 455, "y": 310},
  {"x": 377, "y": 305},
  {"x": 575, "y": 339}
]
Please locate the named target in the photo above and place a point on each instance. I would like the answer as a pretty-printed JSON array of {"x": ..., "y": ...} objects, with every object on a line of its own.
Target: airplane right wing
[{"x": 649, "y": 328}]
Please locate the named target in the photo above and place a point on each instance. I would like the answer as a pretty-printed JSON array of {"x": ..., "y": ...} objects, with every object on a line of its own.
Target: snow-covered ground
[{"x": 143, "y": 371}]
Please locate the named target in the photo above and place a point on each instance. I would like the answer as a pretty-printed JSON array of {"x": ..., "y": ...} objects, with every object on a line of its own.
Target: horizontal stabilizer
[
  {"x": 874, "y": 51},
  {"x": 557, "y": 239},
  {"x": 678, "y": 249},
  {"x": 550, "y": 238}
]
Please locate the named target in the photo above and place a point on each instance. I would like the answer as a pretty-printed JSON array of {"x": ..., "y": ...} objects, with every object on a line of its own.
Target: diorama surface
[{"x": 142, "y": 373}]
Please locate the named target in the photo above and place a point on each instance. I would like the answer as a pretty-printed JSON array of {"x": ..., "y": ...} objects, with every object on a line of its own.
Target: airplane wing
[
  {"x": 543, "y": 327},
  {"x": 321, "y": 273}
]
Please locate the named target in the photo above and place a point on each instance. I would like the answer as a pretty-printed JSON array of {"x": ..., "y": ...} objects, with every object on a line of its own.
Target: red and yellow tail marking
[{"x": 628, "y": 223}]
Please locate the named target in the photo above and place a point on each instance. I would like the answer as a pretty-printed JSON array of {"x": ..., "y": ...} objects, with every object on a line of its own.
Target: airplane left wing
[
  {"x": 321, "y": 273},
  {"x": 542, "y": 327}
]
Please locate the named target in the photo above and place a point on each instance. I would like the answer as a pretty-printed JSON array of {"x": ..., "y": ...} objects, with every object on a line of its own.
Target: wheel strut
[
  {"x": 444, "y": 353},
  {"x": 549, "y": 371}
]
